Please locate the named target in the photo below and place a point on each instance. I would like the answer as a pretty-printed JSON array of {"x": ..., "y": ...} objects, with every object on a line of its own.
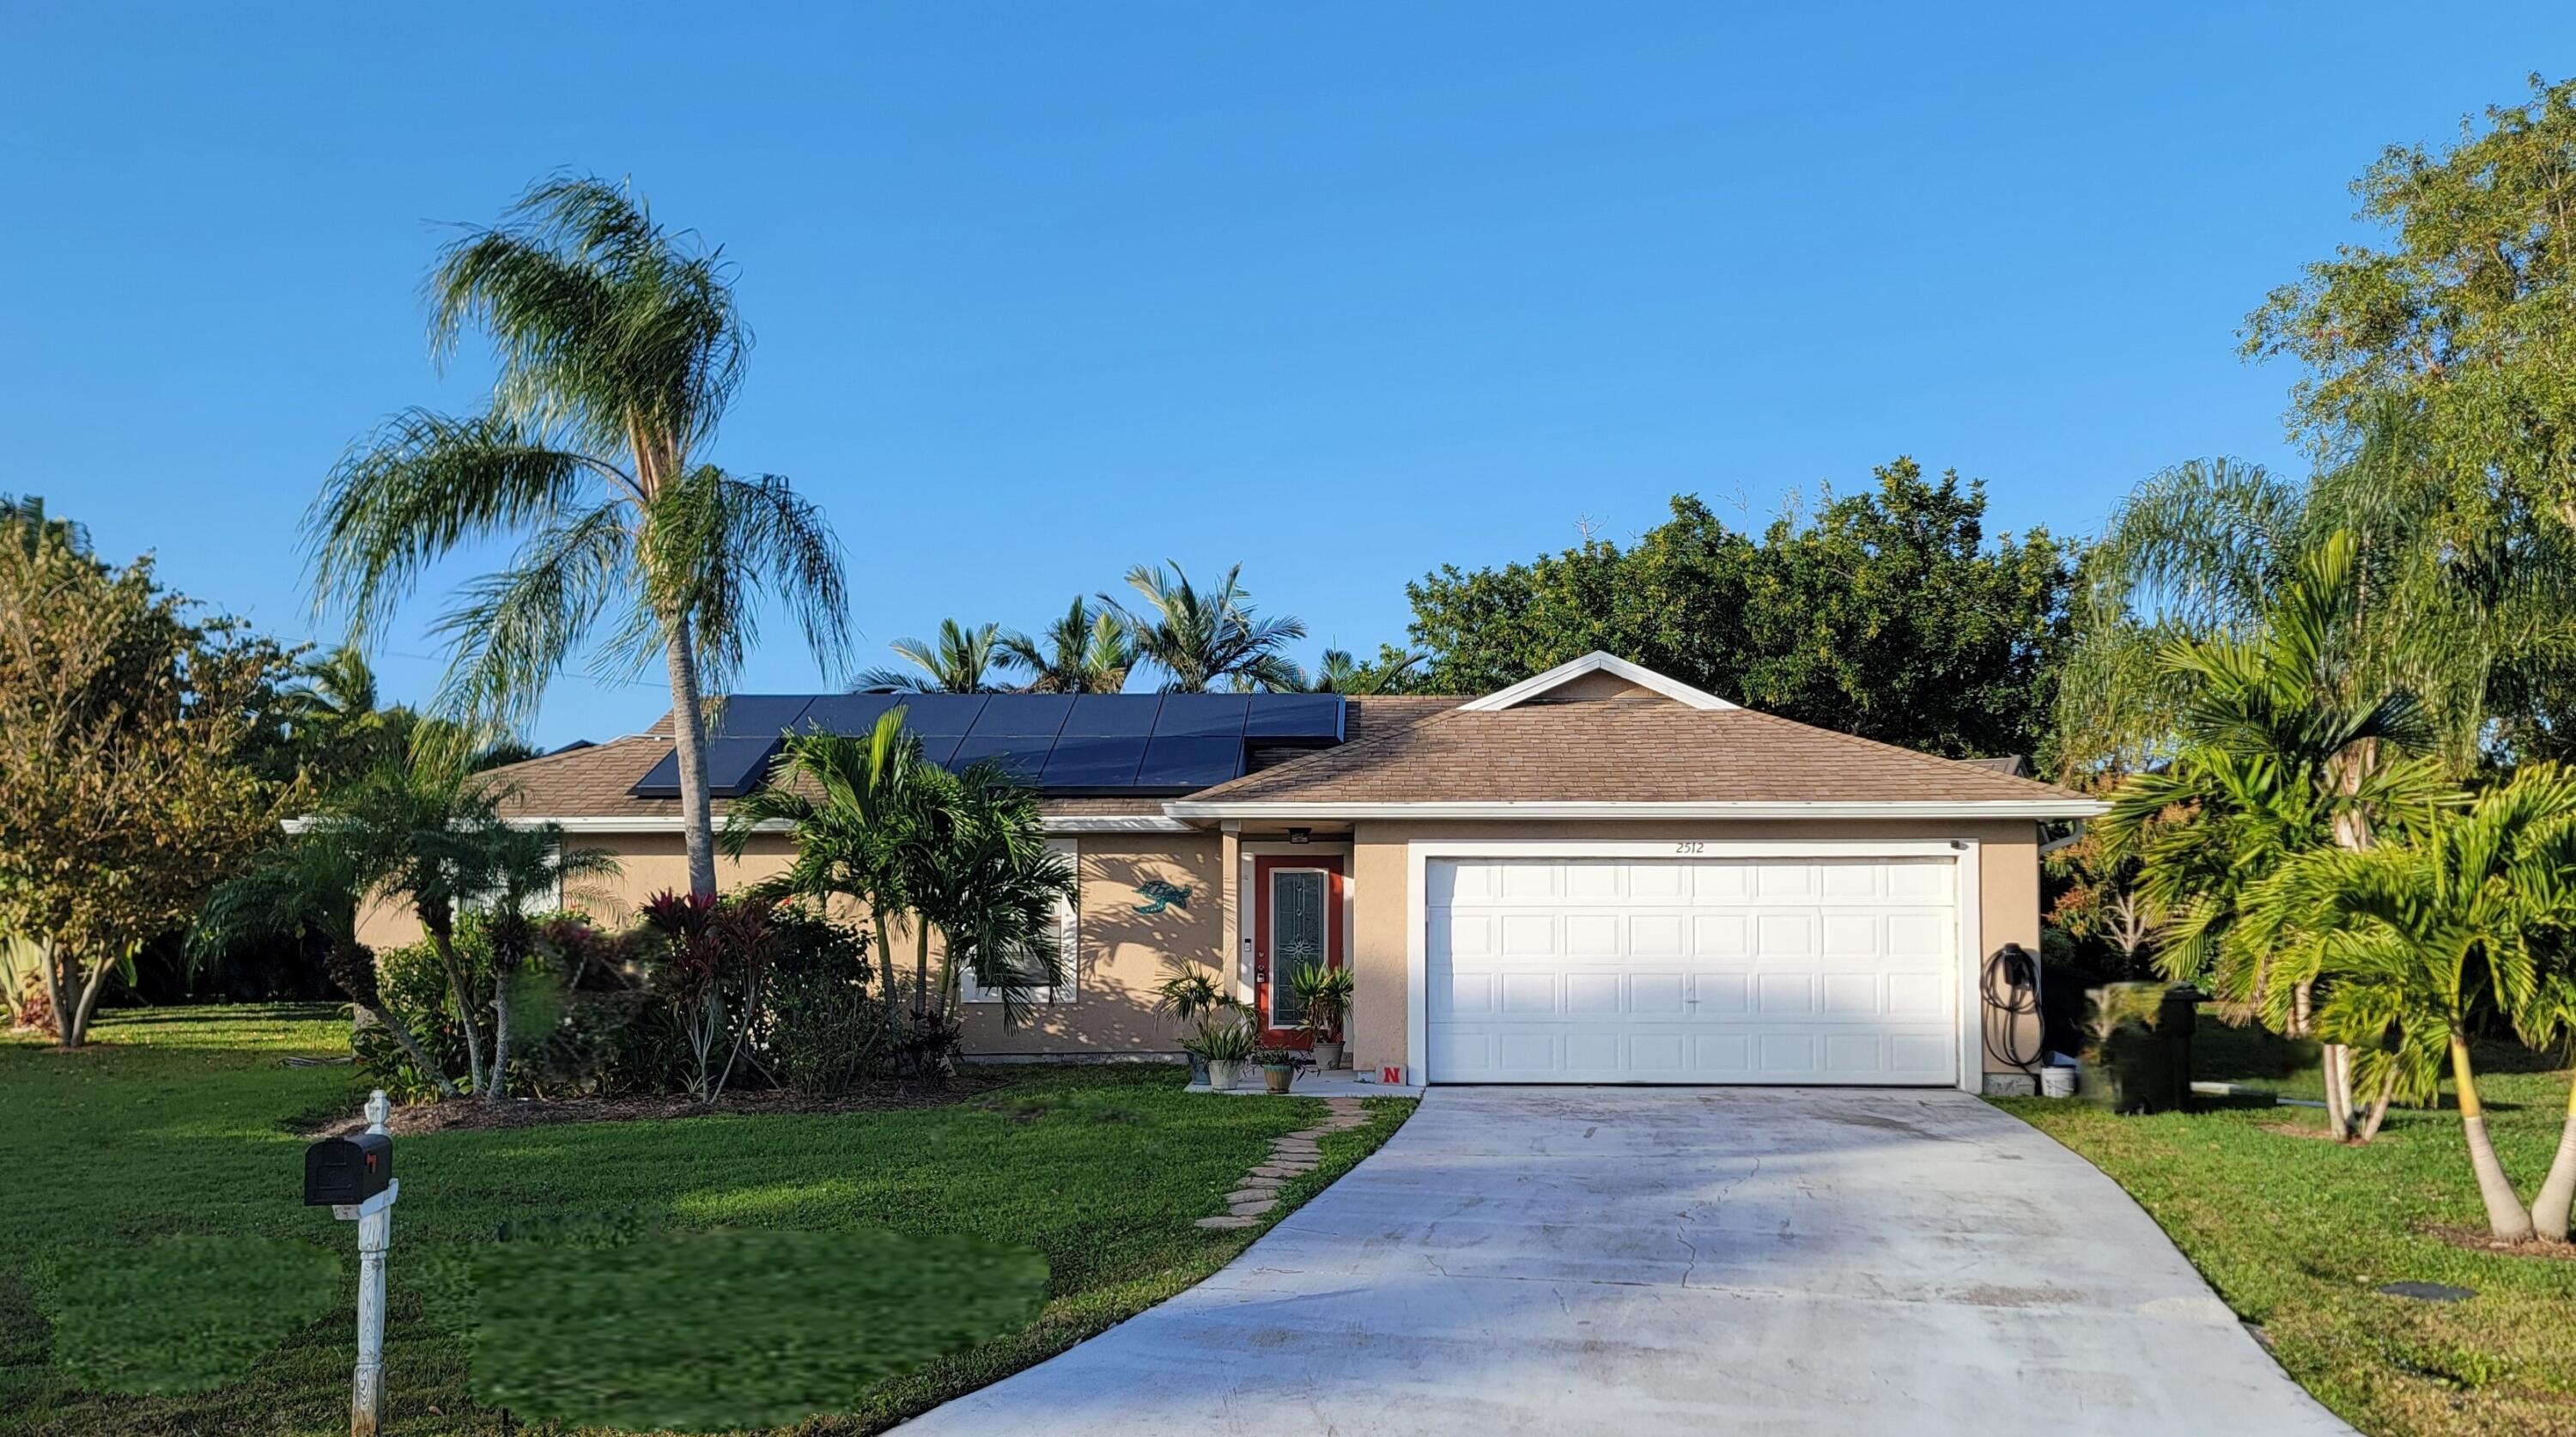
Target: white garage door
[{"x": 1693, "y": 970}]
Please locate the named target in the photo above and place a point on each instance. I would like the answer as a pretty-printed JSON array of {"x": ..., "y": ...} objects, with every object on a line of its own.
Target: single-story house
[{"x": 1598, "y": 875}]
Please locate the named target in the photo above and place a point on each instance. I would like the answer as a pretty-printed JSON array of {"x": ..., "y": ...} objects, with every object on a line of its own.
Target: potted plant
[
  {"x": 1278, "y": 1067},
  {"x": 1325, "y": 994},
  {"x": 1224, "y": 1040},
  {"x": 1190, "y": 993}
]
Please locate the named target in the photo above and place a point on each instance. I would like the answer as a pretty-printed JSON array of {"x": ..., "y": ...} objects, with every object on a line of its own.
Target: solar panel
[
  {"x": 1022, "y": 757},
  {"x": 760, "y": 715},
  {"x": 1187, "y": 762},
  {"x": 852, "y": 714},
  {"x": 1202, "y": 715},
  {"x": 948, "y": 715},
  {"x": 1022, "y": 716},
  {"x": 1112, "y": 716},
  {"x": 1292, "y": 718},
  {"x": 735, "y": 766},
  {"x": 1085, "y": 762}
]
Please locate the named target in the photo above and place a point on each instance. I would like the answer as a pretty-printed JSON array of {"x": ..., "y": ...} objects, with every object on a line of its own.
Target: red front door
[{"x": 1296, "y": 920}]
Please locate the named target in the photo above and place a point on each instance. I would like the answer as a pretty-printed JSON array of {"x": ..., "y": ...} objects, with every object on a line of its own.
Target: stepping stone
[
  {"x": 1256, "y": 1193},
  {"x": 1301, "y": 1149},
  {"x": 1253, "y": 1209},
  {"x": 1283, "y": 1170},
  {"x": 1228, "y": 1222}
]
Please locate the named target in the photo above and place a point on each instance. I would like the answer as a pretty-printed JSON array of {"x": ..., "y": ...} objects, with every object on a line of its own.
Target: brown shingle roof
[{"x": 1634, "y": 748}]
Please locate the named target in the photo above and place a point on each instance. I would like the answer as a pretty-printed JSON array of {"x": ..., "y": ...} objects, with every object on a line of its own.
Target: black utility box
[{"x": 347, "y": 1171}]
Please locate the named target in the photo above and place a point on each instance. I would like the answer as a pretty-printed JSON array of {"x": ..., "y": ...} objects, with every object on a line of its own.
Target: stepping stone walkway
[{"x": 1291, "y": 1156}]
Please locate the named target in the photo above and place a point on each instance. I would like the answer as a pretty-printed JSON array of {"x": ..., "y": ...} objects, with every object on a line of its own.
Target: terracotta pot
[
  {"x": 1222, "y": 1072},
  {"x": 1278, "y": 1076}
]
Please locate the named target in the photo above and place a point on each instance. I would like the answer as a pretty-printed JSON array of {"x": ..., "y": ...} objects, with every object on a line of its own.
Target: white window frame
[{"x": 1068, "y": 918}]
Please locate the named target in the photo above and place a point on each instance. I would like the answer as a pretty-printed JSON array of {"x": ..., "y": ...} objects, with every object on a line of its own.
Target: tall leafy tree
[
  {"x": 2465, "y": 311},
  {"x": 961, "y": 660},
  {"x": 1206, "y": 638},
  {"x": 1088, "y": 651},
  {"x": 130, "y": 764},
  {"x": 619, "y": 351},
  {"x": 1888, "y": 613}
]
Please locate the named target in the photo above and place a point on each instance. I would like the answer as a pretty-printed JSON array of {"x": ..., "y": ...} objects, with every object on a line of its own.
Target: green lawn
[
  {"x": 2295, "y": 1233},
  {"x": 183, "y": 1120}
]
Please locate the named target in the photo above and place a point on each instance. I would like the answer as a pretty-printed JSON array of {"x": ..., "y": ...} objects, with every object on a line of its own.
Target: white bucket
[{"x": 2056, "y": 1082}]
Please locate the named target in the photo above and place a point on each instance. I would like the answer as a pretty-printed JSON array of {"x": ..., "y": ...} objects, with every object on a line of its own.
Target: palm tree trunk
[
  {"x": 885, "y": 969},
  {"x": 920, "y": 968},
  {"x": 2506, "y": 1216},
  {"x": 2558, "y": 1190},
  {"x": 500, "y": 1084},
  {"x": 442, "y": 940},
  {"x": 2378, "y": 1106},
  {"x": 689, "y": 742},
  {"x": 2338, "y": 1076}
]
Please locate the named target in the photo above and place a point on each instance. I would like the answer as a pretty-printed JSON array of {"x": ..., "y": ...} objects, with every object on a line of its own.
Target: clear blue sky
[{"x": 1341, "y": 291}]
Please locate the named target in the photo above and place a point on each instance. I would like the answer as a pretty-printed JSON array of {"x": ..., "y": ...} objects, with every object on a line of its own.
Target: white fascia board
[
  {"x": 2017, "y": 808},
  {"x": 1595, "y": 662}
]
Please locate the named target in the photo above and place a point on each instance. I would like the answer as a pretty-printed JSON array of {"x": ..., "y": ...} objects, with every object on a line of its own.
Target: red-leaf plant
[{"x": 711, "y": 947}]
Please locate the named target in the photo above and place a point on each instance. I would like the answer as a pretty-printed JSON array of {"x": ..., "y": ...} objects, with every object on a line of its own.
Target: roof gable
[{"x": 1577, "y": 677}]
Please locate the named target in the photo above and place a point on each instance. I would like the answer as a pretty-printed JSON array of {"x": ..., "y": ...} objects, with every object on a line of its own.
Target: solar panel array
[{"x": 1139, "y": 744}]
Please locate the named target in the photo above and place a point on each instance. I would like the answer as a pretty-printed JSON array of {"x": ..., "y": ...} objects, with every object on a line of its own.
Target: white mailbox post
[{"x": 375, "y": 1220}]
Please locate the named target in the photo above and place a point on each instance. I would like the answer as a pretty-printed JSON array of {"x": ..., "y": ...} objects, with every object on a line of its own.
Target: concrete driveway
[{"x": 1623, "y": 1260}]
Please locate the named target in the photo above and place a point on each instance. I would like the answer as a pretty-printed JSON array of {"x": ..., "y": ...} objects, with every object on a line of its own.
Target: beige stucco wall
[
  {"x": 648, "y": 863},
  {"x": 1122, "y": 950},
  {"x": 2008, "y": 880}
]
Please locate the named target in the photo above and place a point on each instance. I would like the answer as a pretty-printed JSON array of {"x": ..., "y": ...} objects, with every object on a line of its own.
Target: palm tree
[
  {"x": 2421, "y": 935},
  {"x": 417, "y": 827},
  {"x": 333, "y": 716},
  {"x": 2283, "y": 746},
  {"x": 619, "y": 351},
  {"x": 26, "y": 516},
  {"x": 311, "y": 889},
  {"x": 1085, "y": 652},
  {"x": 983, "y": 875},
  {"x": 849, "y": 803},
  {"x": 1200, "y": 639},
  {"x": 517, "y": 869},
  {"x": 1342, "y": 674},
  {"x": 961, "y": 661}
]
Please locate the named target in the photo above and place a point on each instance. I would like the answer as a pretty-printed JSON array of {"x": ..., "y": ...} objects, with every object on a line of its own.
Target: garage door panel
[{"x": 1683, "y": 971}]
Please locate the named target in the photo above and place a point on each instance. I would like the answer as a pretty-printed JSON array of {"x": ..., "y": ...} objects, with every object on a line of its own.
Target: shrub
[{"x": 820, "y": 1030}]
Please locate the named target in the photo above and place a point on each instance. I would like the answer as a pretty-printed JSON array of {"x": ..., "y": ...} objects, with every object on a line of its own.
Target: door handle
[{"x": 1690, "y": 989}]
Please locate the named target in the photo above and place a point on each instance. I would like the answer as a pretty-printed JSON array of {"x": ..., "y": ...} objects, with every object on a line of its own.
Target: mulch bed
[{"x": 467, "y": 1113}]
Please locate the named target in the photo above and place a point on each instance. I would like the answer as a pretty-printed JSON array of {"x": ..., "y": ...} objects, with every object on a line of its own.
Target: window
[
  {"x": 1298, "y": 937},
  {"x": 1068, "y": 942}
]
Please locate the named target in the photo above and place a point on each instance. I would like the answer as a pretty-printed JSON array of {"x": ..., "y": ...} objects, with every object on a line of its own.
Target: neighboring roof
[
  {"x": 1637, "y": 748},
  {"x": 2011, "y": 763}
]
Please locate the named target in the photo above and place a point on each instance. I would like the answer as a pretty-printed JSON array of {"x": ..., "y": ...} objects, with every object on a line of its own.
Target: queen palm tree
[
  {"x": 2281, "y": 748},
  {"x": 850, "y": 805},
  {"x": 1201, "y": 638},
  {"x": 1342, "y": 674},
  {"x": 332, "y": 711},
  {"x": 310, "y": 889},
  {"x": 619, "y": 351},
  {"x": 1088, "y": 651},
  {"x": 2422, "y": 935},
  {"x": 960, "y": 661}
]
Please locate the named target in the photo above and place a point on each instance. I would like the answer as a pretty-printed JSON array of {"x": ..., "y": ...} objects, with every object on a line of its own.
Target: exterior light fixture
[{"x": 1301, "y": 835}]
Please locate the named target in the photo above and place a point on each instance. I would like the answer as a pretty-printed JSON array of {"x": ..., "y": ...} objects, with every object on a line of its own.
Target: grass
[
  {"x": 2296, "y": 1233},
  {"x": 185, "y": 1121}
]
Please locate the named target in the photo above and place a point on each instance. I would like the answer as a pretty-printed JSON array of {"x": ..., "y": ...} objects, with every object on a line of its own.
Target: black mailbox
[{"x": 346, "y": 1171}]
